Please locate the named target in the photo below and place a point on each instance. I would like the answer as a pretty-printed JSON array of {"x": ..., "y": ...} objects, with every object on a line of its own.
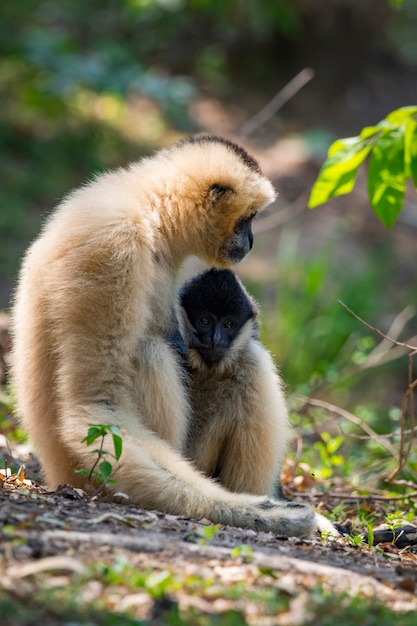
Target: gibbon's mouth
[
  {"x": 212, "y": 356},
  {"x": 232, "y": 253}
]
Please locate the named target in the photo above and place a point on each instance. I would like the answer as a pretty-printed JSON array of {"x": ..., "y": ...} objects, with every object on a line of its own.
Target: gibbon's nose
[{"x": 217, "y": 336}]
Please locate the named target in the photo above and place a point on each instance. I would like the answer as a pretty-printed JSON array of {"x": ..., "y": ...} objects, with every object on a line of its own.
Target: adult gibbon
[
  {"x": 239, "y": 422},
  {"x": 92, "y": 323}
]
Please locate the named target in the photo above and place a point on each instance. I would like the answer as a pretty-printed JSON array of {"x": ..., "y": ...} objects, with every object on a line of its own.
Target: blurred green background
[{"x": 90, "y": 85}]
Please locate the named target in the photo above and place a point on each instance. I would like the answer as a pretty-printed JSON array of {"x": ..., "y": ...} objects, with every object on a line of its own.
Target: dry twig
[
  {"x": 277, "y": 102},
  {"x": 408, "y": 400}
]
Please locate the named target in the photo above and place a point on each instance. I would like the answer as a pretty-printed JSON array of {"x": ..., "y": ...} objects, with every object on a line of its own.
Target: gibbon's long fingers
[{"x": 153, "y": 475}]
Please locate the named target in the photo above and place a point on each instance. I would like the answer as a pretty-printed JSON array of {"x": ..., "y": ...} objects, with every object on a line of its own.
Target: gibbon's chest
[{"x": 232, "y": 389}]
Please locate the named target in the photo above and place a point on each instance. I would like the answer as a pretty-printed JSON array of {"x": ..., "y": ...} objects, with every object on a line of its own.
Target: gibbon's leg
[
  {"x": 245, "y": 455},
  {"x": 155, "y": 476},
  {"x": 207, "y": 438}
]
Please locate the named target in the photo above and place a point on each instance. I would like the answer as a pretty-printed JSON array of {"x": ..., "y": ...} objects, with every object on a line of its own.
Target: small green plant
[
  {"x": 371, "y": 538},
  {"x": 392, "y": 148},
  {"x": 327, "y": 449},
  {"x": 207, "y": 533},
  {"x": 354, "y": 540},
  {"x": 395, "y": 520},
  {"x": 102, "y": 468},
  {"x": 8, "y": 425},
  {"x": 243, "y": 551}
]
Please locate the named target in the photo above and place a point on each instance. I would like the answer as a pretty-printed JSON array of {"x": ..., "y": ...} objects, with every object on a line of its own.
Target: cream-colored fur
[
  {"x": 92, "y": 311},
  {"x": 239, "y": 425}
]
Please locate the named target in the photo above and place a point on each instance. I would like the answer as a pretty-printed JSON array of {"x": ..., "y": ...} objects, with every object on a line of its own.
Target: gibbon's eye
[
  {"x": 204, "y": 321},
  {"x": 244, "y": 223},
  {"x": 229, "y": 324}
]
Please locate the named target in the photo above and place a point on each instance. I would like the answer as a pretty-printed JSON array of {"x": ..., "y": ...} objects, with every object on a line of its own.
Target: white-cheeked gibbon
[
  {"x": 239, "y": 425},
  {"x": 239, "y": 422},
  {"x": 92, "y": 326}
]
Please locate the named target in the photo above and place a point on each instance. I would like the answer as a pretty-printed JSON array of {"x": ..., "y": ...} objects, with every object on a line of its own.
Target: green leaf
[
  {"x": 410, "y": 145},
  {"x": 118, "y": 444},
  {"x": 369, "y": 131},
  {"x": 111, "y": 428},
  {"x": 338, "y": 174},
  {"x": 370, "y": 536},
  {"x": 386, "y": 176},
  {"x": 106, "y": 469},
  {"x": 94, "y": 432},
  {"x": 341, "y": 144},
  {"x": 401, "y": 115}
]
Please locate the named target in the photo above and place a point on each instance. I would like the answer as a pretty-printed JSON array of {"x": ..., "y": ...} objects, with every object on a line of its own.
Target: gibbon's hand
[{"x": 177, "y": 342}]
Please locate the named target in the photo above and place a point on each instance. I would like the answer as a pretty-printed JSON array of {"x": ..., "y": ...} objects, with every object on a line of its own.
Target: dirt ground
[{"x": 48, "y": 538}]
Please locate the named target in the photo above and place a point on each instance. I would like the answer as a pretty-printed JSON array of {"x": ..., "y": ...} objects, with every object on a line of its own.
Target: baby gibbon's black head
[{"x": 217, "y": 308}]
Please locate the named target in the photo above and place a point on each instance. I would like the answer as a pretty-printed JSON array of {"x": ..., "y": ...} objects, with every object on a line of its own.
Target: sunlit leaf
[
  {"x": 338, "y": 174},
  {"x": 410, "y": 145},
  {"x": 386, "y": 176},
  {"x": 369, "y": 131},
  {"x": 353, "y": 143},
  {"x": 401, "y": 115}
]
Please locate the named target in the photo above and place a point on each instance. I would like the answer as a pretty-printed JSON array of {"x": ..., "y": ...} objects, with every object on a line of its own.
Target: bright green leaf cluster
[
  {"x": 97, "y": 431},
  {"x": 392, "y": 148},
  {"x": 105, "y": 468}
]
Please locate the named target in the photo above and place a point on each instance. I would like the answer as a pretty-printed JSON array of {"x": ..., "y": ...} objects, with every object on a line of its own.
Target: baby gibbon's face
[{"x": 215, "y": 308}]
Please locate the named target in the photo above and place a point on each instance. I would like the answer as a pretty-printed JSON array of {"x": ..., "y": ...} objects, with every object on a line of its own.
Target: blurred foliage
[
  {"x": 91, "y": 85},
  {"x": 324, "y": 352}
]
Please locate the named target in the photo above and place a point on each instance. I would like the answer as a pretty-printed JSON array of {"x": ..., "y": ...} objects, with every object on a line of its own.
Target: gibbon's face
[
  {"x": 217, "y": 308},
  {"x": 240, "y": 242},
  {"x": 228, "y": 187},
  {"x": 213, "y": 336},
  {"x": 230, "y": 234}
]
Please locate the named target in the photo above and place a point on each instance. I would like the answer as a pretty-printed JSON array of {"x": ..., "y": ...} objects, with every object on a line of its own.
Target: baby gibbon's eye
[
  {"x": 204, "y": 321},
  {"x": 229, "y": 324}
]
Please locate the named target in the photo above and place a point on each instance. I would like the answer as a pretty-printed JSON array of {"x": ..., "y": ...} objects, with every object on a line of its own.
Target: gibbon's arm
[{"x": 92, "y": 314}]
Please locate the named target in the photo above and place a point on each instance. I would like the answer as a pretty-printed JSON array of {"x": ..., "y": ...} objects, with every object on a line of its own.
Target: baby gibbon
[
  {"x": 239, "y": 423},
  {"x": 92, "y": 323}
]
